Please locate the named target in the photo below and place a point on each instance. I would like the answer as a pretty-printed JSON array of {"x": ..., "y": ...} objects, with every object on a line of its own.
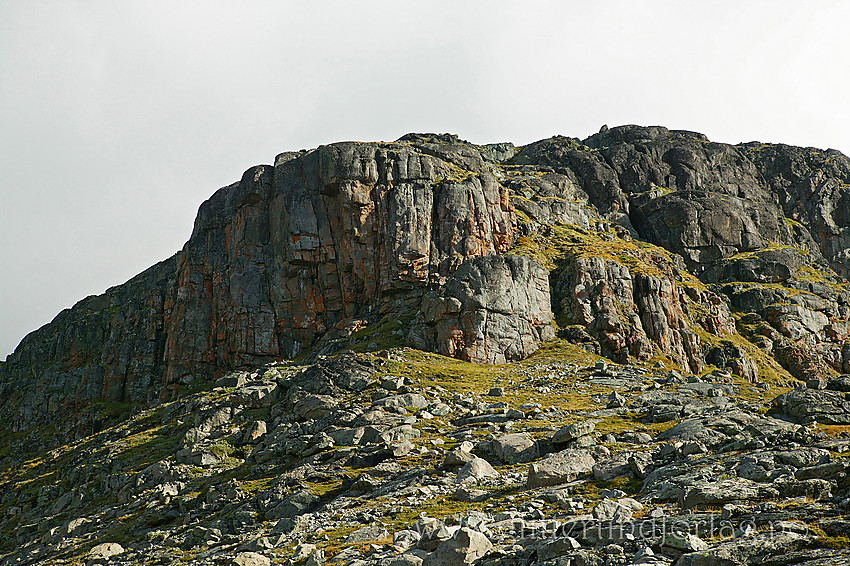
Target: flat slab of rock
[
  {"x": 720, "y": 492},
  {"x": 368, "y": 533},
  {"x": 250, "y": 559},
  {"x": 561, "y": 467},
  {"x": 412, "y": 400},
  {"x": 742, "y": 550},
  {"x": 822, "y": 405}
]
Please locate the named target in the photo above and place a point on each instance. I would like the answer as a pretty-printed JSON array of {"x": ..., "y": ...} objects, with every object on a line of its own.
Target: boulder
[
  {"x": 820, "y": 405},
  {"x": 464, "y": 547},
  {"x": 515, "y": 448},
  {"x": 250, "y": 559},
  {"x": 561, "y": 467},
  {"x": 747, "y": 550},
  {"x": 368, "y": 533},
  {"x": 105, "y": 551},
  {"x": 475, "y": 470},
  {"x": 573, "y": 431},
  {"x": 719, "y": 492}
]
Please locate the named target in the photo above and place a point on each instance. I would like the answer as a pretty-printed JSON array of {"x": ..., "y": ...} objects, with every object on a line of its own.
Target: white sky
[{"x": 117, "y": 119}]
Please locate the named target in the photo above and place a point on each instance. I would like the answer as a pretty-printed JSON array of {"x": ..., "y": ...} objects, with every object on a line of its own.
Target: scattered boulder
[
  {"x": 476, "y": 470},
  {"x": 806, "y": 405},
  {"x": 250, "y": 559},
  {"x": 464, "y": 547},
  {"x": 515, "y": 448},
  {"x": 561, "y": 467}
]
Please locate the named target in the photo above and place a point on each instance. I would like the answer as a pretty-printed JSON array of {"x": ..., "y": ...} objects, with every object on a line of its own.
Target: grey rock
[
  {"x": 411, "y": 400},
  {"x": 405, "y": 539},
  {"x": 616, "y": 466},
  {"x": 611, "y": 510},
  {"x": 806, "y": 405},
  {"x": 368, "y": 533},
  {"x": 459, "y": 455},
  {"x": 493, "y": 309},
  {"x": 105, "y": 551},
  {"x": 719, "y": 492},
  {"x": 250, "y": 559},
  {"x": 464, "y": 547},
  {"x": 476, "y": 470},
  {"x": 293, "y": 505},
  {"x": 561, "y": 467},
  {"x": 515, "y": 448},
  {"x": 745, "y": 550},
  {"x": 555, "y": 547},
  {"x": 573, "y": 431}
]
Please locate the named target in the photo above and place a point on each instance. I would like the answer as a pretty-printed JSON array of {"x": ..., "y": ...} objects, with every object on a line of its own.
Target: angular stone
[
  {"x": 250, "y": 559},
  {"x": 561, "y": 467},
  {"x": 105, "y": 551},
  {"x": 475, "y": 470},
  {"x": 573, "y": 431},
  {"x": 515, "y": 448},
  {"x": 368, "y": 533},
  {"x": 611, "y": 510},
  {"x": 718, "y": 493},
  {"x": 465, "y": 547}
]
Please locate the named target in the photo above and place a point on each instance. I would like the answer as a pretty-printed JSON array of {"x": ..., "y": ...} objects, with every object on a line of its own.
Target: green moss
[
  {"x": 222, "y": 449},
  {"x": 564, "y": 242},
  {"x": 386, "y": 334},
  {"x": 772, "y": 246},
  {"x": 824, "y": 540}
]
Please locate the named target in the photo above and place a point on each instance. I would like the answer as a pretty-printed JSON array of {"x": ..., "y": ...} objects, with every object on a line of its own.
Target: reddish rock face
[
  {"x": 276, "y": 260},
  {"x": 323, "y": 241},
  {"x": 323, "y": 237}
]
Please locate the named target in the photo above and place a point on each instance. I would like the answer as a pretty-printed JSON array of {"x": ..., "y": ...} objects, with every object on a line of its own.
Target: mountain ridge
[
  {"x": 372, "y": 222},
  {"x": 632, "y": 349}
]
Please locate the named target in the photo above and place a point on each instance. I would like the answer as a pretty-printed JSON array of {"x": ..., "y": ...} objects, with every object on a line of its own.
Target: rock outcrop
[
  {"x": 652, "y": 239},
  {"x": 492, "y": 309}
]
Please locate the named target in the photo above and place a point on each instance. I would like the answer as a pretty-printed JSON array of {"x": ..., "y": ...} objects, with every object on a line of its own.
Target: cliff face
[{"x": 301, "y": 255}]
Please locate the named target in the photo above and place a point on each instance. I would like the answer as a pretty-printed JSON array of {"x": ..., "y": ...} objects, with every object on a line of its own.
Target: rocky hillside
[{"x": 308, "y": 378}]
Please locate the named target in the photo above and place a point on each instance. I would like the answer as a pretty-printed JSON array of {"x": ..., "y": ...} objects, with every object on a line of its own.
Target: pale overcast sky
[{"x": 118, "y": 118}]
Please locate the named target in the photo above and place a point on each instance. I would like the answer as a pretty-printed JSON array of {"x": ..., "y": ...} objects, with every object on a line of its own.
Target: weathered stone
[
  {"x": 611, "y": 510},
  {"x": 459, "y": 455},
  {"x": 720, "y": 492},
  {"x": 293, "y": 505},
  {"x": 573, "y": 431},
  {"x": 561, "y": 467},
  {"x": 806, "y": 405},
  {"x": 407, "y": 400},
  {"x": 475, "y": 470},
  {"x": 105, "y": 551},
  {"x": 464, "y": 547},
  {"x": 515, "y": 448},
  {"x": 614, "y": 467},
  {"x": 744, "y": 550},
  {"x": 250, "y": 559},
  {"x": 368, "y": 533},
  {"x": 493, "y": 309}
]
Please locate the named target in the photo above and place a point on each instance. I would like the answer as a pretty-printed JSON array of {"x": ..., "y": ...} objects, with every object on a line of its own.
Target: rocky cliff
[
  {"x": 653, "y": 240},
  {"x": 623, "y": 350}
]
